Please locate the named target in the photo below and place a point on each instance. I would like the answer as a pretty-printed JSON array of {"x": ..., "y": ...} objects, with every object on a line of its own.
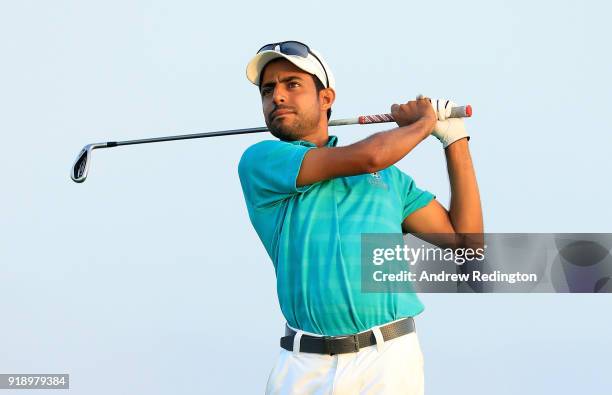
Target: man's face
[{"x": 290, "y": 101}]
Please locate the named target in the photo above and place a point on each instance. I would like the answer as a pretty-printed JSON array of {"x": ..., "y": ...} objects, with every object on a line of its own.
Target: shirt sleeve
[
  {"x": 413, "y": 198},
  {"x": 268, "y": 172}
]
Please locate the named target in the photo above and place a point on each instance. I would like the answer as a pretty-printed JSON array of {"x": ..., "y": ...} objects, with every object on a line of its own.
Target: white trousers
[{"x": 394, "y": 367}]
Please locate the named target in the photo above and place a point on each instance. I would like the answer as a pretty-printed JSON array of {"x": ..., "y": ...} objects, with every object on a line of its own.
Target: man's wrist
[
  {"x": 458, "y": 145},
  {"x": 424, "y": 126}
]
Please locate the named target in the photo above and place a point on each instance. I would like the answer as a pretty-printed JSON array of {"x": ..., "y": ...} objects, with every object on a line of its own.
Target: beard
[{"x": 294, "y": 128}]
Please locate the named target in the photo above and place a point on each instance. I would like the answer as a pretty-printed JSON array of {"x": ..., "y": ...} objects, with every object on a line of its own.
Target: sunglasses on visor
[{"x": 294, "y": 48}]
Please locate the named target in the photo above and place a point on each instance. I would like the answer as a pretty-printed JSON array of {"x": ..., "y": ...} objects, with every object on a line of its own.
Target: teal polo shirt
[{"x": 313, "y": 233}]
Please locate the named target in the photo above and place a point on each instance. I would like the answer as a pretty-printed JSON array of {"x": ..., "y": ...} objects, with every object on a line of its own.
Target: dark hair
[{"x": 320, "y": 87}]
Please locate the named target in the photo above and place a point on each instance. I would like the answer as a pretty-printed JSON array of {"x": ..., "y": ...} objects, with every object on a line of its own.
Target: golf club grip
[{"x": 456, "y": 112}]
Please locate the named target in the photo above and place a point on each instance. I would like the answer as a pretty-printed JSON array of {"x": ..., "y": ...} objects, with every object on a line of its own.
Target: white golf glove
[{"x": 447, "y": 130}]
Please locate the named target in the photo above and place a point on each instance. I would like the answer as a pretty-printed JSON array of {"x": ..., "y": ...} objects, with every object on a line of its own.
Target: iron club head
[{"x": 79, "y": 170}]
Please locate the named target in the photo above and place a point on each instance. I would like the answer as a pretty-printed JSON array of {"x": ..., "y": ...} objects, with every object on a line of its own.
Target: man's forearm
[
  {"x": 465, "y": 208},
  {"x": 388, "y": 148}
]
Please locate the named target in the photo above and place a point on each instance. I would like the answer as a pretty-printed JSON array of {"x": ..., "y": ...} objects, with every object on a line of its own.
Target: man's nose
[{"x": 278, "y": 95}]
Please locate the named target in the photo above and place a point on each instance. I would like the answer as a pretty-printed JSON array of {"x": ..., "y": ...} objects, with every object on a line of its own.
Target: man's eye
[
  {"x": 265, "y": 91},
  {"x": 294, "y": 84}
]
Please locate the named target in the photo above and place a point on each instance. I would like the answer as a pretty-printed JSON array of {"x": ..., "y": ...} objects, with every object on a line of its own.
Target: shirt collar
[{"x": 333, "y": 140}]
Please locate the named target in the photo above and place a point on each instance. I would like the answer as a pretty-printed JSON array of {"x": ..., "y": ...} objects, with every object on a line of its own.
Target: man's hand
[
  {"x": 413, "y": 111},
  {"x": 447, "y": 130}
]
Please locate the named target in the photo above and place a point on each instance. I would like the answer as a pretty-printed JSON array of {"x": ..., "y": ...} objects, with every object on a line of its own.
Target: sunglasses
[{"x": 294, "y": 48}]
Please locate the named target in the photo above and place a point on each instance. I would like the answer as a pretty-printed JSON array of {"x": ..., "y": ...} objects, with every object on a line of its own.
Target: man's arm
[
  {"x": 464, "y": 219},
  {"x": 416, "y": 120}
]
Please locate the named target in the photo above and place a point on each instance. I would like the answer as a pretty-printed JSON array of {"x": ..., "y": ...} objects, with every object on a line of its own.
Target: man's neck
[{"x": 319, "y": 138}]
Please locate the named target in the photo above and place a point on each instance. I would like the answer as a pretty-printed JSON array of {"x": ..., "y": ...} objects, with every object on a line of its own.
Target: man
[{"x": 310, "y": 200}]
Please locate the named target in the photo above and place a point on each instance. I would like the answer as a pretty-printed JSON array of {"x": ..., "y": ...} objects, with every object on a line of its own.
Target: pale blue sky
[{"x": 148, "y": 278}]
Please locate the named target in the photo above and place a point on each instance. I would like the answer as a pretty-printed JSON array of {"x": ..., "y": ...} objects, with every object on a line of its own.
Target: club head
[{"x": 79, "y": 170}]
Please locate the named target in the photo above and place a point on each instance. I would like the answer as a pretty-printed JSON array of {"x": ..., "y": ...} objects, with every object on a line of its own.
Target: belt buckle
[{"x": 331, "y": 340}]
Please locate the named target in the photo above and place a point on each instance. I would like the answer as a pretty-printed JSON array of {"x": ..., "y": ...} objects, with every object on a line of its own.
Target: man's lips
[{"x": 278, "y": 113}]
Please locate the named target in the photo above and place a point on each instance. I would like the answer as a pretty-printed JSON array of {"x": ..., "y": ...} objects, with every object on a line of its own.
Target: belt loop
[
  {"x": 380, "y": 340},
  {"x": 296, "y": 341}
]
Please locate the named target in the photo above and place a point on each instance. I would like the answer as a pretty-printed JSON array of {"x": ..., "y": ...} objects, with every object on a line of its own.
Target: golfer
[{"x": 310, "y": 200}]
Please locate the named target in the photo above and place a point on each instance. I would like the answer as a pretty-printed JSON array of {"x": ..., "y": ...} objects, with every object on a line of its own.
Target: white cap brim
[{"x": 310, "y": 65}]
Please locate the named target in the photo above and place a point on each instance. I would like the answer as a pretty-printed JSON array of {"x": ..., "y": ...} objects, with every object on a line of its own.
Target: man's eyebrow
[{"x": 286, "y": 79}]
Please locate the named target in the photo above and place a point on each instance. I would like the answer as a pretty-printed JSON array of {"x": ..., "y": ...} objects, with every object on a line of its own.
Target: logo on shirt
[{"x": 376, "y": 180}]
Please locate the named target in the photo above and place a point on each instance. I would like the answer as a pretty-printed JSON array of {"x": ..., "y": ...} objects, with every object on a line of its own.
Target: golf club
[{"x": 79, "y": 170}]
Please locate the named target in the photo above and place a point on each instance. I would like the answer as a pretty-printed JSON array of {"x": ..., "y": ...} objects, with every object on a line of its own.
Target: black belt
[{"x": 332, "y": 345}]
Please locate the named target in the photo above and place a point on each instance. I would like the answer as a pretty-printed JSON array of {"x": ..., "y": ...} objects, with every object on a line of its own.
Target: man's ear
[{"x": 327, "y": 97}]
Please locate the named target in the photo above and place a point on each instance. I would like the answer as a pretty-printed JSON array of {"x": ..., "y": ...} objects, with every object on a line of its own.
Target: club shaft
[
  {"x": 458, "y": 112},
  {"x": 349, "y": 121},
  {"x": 187, "y": 136}
]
